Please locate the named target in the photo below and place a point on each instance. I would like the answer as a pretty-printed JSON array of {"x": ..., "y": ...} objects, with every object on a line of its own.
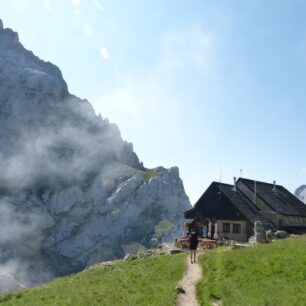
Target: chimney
[
  {"x": 235, "y": 184},
  {"x": 255, "y": 192},
  {"x": 274, "y": 185}
]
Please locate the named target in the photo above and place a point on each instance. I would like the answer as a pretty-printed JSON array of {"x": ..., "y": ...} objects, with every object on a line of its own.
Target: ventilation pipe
[
  {"x": 274, "y": 185},
  {"x": 235, "y": 180}
]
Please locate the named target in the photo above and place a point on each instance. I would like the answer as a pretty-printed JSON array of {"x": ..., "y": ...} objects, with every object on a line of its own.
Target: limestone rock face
[
  {"x": 72, "y": 192},
  {"x": 9, "y": 283},
  {"x": 301, "y": 193}
]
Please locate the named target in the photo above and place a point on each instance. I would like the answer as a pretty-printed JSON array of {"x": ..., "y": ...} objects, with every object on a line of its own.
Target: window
[
  {"x": 226, "y": 228},
  {"x": 237, "y": 228}
]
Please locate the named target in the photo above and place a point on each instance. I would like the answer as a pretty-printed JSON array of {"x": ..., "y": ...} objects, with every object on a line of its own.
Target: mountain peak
[
  {"x": 300, "y": 193},
  {"x": 9, "y": 38},
  {"x": 68, "y": 177}
]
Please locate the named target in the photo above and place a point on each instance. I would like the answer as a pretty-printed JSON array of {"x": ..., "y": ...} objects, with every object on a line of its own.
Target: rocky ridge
[
  {"x": 301, "y": 193},
  {"x": 72, "y": 192}
]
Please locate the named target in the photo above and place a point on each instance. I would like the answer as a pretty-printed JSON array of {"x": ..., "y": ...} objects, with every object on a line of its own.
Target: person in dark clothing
[{"x": 193, "y": 245}]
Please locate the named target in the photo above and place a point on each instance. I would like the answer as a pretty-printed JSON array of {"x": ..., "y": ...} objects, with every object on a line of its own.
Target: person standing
[{"x": 193, "y": 245}]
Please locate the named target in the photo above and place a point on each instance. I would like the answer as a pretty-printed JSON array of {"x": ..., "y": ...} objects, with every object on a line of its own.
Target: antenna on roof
[{"x": 241, "y": 173}]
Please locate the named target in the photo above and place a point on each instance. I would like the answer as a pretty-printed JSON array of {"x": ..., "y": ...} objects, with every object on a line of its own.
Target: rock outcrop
[
  {"x": 301, "y": 193},
  {"x": 72, "y": 192}
]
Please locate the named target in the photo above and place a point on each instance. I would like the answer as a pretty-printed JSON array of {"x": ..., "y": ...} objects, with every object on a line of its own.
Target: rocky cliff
[
  {"x": 72, "y": 192},
  {"x": 301, "y": 193}
]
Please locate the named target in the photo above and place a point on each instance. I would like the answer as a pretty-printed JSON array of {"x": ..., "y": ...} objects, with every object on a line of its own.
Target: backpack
[{"x": 193, "y": 238}]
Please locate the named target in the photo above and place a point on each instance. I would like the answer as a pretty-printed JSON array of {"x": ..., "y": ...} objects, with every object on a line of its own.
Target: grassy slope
[
  {"x": 148, "y": 281},
  {"x": 148, "y": 173},
  {"x": 273, "y": 274}
]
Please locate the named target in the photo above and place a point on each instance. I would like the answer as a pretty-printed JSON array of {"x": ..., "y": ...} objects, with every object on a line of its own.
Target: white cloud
[
  {"x": 104, "y": 53},
  {"x": 46, "y": 4},
  {"x": 149, "y": 101},
  {"x": 77, "y": 11},
  {"x": 193, "y": 47},
  {"x": 87, "y": 29},
  {"x": 150, "y": 108},
  {"x": 142, "y": 106},
  {"x": 98, "y": 5},
  {"x": 138, "y": 96},
  {"x": 76, "y": 3}
]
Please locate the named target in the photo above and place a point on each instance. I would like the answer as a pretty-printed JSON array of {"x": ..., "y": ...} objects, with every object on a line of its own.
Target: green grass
[
  {"x": 163, "y": 226},
  {"x": 149, "y": 173},
  {"x": 147, "y": 281},
  {"x": 271, "y": 274}
]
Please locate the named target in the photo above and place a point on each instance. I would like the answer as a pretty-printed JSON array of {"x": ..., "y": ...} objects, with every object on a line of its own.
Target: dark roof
[
  {"x": 238, "y": 200},
  {"x": 279, "y": 200},
  {"x": 212, "y": 204},
  {"x": 189, "y": 214},
  {"x": 244, "y": 205}
]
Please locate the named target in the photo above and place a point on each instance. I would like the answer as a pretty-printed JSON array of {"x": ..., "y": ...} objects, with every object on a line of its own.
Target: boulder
[
  {"x": 281, "y": 235},
  {"x": 269, "y": 236}
]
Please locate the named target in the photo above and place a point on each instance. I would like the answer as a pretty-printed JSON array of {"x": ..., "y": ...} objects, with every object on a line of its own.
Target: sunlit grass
[
  {"x": 148, "y": 174},
  {"x": 147, "y": 281},
  {"x": 270, "y": 274}
]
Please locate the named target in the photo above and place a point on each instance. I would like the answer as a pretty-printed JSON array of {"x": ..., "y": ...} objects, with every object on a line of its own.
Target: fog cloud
[
  {"x": 21, "y": 233},
  {"x": 98, "y": 5},
  {"x": 50, "y": 141},
  {"x": 104, "y": 53}
]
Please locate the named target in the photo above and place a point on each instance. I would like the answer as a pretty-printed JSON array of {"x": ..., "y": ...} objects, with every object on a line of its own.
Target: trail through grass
[
  {"x": 273, "y": 274},
  {"x": 148, "y": 281}
]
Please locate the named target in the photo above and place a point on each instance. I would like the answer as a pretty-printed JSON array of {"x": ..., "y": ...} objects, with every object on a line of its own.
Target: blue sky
[{"x": 204, "y": 85}]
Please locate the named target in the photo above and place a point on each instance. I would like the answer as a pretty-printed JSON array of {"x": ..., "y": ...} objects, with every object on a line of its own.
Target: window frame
[
  {"x": 229, "y": 227},
  {"x": 236, "y": 228}
]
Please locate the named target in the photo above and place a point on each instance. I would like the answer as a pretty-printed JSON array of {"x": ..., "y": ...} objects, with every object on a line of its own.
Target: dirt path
[{"x": 192, "y": 275}]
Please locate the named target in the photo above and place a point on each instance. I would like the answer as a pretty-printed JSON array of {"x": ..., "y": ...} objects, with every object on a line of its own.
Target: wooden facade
[{"x": 235, "y": 209}]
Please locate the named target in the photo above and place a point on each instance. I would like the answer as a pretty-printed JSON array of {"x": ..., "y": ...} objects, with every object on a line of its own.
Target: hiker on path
[{"x": 193, "y": 245}]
